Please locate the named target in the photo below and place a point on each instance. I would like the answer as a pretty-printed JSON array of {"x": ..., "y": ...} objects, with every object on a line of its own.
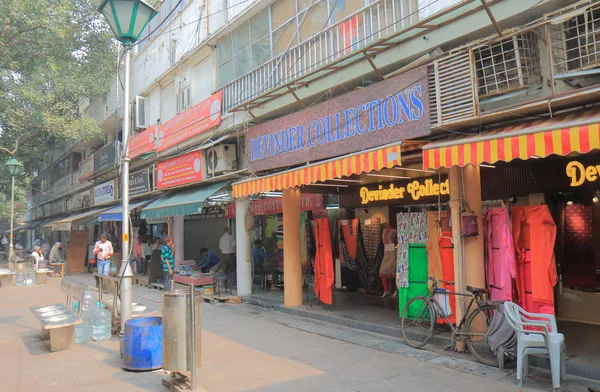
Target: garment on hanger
[
  {"x": 534, "y": 235},
  {"x": 433, "y": 247},
  {"x": 388, "y": 264},
  {"x": 348, "y": 229},
  {"x": 324, "y": 275},
  {"x": 369, "y": 254},
  {"x": 417, "y": 280},
  {"x": 501, "y": 264},
  {"x": 447, "y": 258},
  {"x": 412, "y": 229},
  {"x": 371, "y": 236}
]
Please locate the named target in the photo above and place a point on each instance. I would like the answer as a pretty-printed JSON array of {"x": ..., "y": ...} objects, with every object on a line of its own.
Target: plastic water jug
[
  {"x": 20, "y": 278},
  {"x": 30, "y": 279},
  {"x": 83, "y": 331},
  {"x": 101, "y": 329}
]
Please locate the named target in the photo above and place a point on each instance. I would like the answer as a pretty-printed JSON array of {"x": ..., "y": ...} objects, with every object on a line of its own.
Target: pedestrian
[
  {"x": 147, "y": 254},
  {"x": 38, "y": 257},
  {"x": 259, "y": 256},
  {"x": 168, "y": 262},
  {"x": 103, "y": 249},
  {"x": 207, "y": 259},
  {"x": 138, "y": 254},
  {"x": 227, "y": 246},
  {"x": 5, "y": 243},
  {"x": 56, "y": 256},
  {"x": 157, "y": 244}
]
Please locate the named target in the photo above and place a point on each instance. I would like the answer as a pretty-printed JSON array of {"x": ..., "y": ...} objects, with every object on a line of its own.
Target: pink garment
[{"x": 501, "y": 265}]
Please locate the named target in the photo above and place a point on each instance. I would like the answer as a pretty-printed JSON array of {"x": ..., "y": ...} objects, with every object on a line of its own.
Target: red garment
[
  {"x": 349, "y": 227},
  {"x": 447, "y": 258},
  {"x": 324, "y": 275},
  {"x": 534, "y": 235},
  {"x": 501, "y": 265}
]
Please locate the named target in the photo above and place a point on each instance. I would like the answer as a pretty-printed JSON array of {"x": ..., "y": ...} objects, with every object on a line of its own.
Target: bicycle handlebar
[{"x": 436, "y": 281}]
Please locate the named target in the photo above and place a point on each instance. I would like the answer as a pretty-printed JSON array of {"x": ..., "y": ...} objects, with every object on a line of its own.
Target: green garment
[{"x": 417, "y": 279}]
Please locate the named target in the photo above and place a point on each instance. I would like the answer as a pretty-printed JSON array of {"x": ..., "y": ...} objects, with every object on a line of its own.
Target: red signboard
[
  {"x": 192, "y": 122},
  {"x": 184, "y": 169},
  {"x": 274, "y": 205},
  {"x": 143, "y": 142}
]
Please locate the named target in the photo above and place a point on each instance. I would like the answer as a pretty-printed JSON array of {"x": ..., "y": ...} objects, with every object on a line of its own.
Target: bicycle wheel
[
  {"x": 476, "y": 326},
  {"x": 417, "y": 322}
]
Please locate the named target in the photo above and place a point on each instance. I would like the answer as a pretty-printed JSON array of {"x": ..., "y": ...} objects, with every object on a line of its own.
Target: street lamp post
[
  {"x": 127, "y": 19},
  {"x": 14, "y": 168}
]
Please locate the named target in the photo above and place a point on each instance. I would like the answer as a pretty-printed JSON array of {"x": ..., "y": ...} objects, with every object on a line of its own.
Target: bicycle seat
[{"x": 475, "y": 290}]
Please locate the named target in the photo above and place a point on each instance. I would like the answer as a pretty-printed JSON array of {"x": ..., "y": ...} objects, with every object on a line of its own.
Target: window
[
  {"x": 575, "y": 42},
  {"x": 183, "y": 99},
  {"x": 508, "y": 65}
]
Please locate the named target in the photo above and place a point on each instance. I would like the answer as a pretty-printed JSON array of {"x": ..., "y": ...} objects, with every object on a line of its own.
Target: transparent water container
[
  {"x": 101, "y": 329},
  {"x": 83, "y": 331},
  {"x": 30, "y": 277},
  {"x": 20, "y": 278}
]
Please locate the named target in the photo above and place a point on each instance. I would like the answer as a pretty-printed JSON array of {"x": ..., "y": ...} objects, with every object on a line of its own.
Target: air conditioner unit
[
  {"x": 220, "y": 159},
  {"x": 140, "y": 113}
]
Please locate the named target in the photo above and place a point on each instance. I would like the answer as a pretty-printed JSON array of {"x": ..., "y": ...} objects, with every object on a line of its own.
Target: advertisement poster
[{"x": 181, "y": 170}]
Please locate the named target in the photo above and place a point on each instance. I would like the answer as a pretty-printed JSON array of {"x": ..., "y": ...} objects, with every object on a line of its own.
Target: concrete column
[
  {"x": 292, "y": 263},
  {"x": 178, "y": 237},
  {"x": 455, "y": 207},
  {"x": 475, "y": 267},
  {"x": 242, "y": 242}
]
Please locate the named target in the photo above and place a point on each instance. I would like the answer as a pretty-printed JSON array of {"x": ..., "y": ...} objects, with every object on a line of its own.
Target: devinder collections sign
[
  {"x": 184, "y": 169},
  {"x": 386, "y": 112}
]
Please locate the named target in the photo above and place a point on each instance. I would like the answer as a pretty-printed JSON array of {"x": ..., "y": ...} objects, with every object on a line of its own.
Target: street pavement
[{"x": 244, "y": 348}]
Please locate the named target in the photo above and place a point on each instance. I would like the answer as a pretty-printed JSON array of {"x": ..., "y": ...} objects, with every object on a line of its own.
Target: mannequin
[{"x": 387, "y": 271}]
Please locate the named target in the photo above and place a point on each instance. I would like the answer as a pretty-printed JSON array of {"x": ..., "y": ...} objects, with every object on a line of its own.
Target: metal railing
[{"x": 362, "y": 28}]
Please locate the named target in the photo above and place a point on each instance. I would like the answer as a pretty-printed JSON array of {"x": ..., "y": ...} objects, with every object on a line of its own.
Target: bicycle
[{"x": 419, "y": 316}]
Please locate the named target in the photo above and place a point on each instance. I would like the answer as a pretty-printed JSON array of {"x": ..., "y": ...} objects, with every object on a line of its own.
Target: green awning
[{"x": 180, "y": 203}]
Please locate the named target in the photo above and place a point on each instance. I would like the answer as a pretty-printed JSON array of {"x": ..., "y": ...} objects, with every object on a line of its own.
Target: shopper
[
  {"x": 104, "y": 250},
  {"x": 207, "y": 259},
  {"x": 227, "y": 246},
  {"x": 168, "y": 262},
  {"x": 147, "y": 254},
  {"x": 157, "y": 244},
  {"x": 259, "y": 256}
]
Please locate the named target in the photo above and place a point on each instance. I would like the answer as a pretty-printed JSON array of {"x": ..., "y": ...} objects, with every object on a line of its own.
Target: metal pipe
[
  {"x": 125, "y": 268},
  {"x": 193, "y": 335}
]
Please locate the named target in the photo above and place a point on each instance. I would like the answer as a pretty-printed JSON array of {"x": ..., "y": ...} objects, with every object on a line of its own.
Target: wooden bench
[{"x": 57, "y": 325}]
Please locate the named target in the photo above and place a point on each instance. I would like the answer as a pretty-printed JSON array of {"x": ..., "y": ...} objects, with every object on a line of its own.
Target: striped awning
[
  {"x": 365, "y": 161},
  {"x": 577, "y": 132}
]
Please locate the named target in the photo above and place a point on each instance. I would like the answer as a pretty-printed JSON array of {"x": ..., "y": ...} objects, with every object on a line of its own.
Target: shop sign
[
  {"x": 186, "y": 125},
  {"x": 387, "y": 112},
  {"x": 414, "y": 190},
  {"x": 105, "y": 157},
  {"x": 578, "y": 173},
  {"x": 139, "y": 182},
  {"x": 181, "y": 170},
  {"x": 274, "y": 205},
  {"x": 210, "y": 212},
  {"x": 105, "y": 193}
]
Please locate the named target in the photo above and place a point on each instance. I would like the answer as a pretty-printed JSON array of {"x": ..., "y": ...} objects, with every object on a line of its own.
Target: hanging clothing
[
  {"x": 417, "y": 279},
  {"x": 324, "y": 275},
  {"x": 412, "y": 229},
  {"x": 388, "y": 264},
  {"x": 371, "y": 236},
  {"x": 433, "y": 247},
  {"x": 370, "y": 255},
  {"x": 348, "y": 229},
  {"x": 447, "y": 259},
  {"x": 534, "y": 235},
  {"x": 501, "y": 266}
]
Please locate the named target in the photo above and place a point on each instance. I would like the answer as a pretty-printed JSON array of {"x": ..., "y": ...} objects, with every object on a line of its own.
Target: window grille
[{"x": 508, "y": 65}]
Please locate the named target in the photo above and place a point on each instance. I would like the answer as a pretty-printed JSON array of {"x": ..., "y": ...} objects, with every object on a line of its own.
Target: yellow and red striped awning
[
  {"x": 579, "y": 132},
  {"x": 366, "y": 161}
]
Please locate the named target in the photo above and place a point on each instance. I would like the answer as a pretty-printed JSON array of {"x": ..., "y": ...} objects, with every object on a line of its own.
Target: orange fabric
[
  {"x": 324, "y": 275},
  {"x": 447, "y": 260},
  {"x": 534, "y": 235},
  {"x": 349, "y": 228},
  {"x": 433, "y": 248}
]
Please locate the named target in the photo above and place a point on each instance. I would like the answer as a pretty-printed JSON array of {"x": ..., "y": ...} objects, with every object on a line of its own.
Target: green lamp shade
[
  {"x": 13, "y": 167},
  {"x": 127, "y": 18}
]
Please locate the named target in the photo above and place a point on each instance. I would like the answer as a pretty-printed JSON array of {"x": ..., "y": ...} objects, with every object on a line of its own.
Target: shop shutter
[{"x": 201, "y": 233}]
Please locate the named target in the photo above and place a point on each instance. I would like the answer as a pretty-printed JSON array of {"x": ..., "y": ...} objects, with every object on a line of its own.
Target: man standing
[
  {"x": 168, "y": 262},
  {"x": 104, "y": 250},
  {"x": 227, "y": 246},
  {"x": 56, "y": 256}
]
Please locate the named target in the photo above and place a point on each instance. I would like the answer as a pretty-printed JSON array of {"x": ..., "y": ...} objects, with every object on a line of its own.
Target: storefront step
[{"x": 441, "y": 340}]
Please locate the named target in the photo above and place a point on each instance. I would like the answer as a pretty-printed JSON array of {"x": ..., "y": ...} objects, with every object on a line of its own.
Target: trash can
[
  {"x": 142, "y": 344},
  {"x": 177, "y": 357}
]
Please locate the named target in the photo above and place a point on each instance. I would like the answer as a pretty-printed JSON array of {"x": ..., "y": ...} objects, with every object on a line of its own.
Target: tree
[{"x": 53, "y": 53}]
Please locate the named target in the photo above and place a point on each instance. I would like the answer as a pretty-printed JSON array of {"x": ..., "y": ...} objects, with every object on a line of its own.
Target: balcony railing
[{"x": 364, "y": 27}]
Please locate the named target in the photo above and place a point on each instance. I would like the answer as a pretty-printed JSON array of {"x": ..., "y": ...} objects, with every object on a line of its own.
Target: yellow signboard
[
  {"x": 125, "y": 237},
  {"x": 580, "y": 174},
  {"x": 415, "y": 190}
]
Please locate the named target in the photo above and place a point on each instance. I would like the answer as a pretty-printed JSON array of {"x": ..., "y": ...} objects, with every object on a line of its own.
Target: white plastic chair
[{"x": 542, "y": 339}]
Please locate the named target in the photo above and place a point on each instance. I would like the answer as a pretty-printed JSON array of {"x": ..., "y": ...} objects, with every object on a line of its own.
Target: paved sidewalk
[{"x": 245, "y": 348}]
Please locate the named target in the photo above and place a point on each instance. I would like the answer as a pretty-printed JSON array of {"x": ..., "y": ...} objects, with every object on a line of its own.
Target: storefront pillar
[
  {"x": 178, "y": 237},
  {"x": 475, "y": 267},
  {"x": 243, "y": 248},
  {"x": 292, "y": 262},
  {"x": 455, "y": 208}
]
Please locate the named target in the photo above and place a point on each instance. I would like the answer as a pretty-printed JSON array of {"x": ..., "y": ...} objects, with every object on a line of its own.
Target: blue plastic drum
[{"x": 142, "y": 344}]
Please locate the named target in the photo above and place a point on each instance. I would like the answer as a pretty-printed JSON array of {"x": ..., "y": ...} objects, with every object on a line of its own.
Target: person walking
[
  {"x": 168, "y": 262},
  {"x": 104, "y": 250},
  {"x": 227, "y": 246}
]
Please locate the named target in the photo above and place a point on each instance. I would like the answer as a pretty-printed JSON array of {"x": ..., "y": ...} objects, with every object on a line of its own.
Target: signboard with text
[
  {"x": 139, "y": 182},
  {"x": 181, "y": 170},
  {"x": 274, "y": 205},
  {"x": 105, "y": 193},
  {"x": 416, "y": 191},
  {"x": 386, "y": 112}
]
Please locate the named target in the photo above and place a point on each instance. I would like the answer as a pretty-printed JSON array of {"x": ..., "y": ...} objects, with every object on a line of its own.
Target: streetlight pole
[{"x": 11, "y": 245}]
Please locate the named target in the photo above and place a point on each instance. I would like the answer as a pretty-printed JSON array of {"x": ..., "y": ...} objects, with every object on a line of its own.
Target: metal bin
[{"x": 176, "y": 332}]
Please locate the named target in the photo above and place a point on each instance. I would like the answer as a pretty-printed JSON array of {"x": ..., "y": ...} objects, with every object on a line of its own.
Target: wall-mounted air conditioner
[{"x": 220, "y": 159}]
